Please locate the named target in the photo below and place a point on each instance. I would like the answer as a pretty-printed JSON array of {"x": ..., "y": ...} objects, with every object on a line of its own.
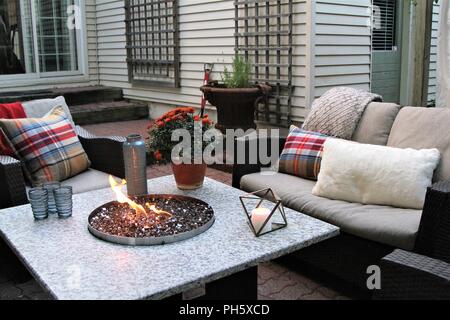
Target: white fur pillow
[{"x": 371, "y": 174}]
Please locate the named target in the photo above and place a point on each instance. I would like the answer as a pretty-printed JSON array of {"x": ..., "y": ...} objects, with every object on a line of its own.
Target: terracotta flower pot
[{"x": 189, "y": 176}]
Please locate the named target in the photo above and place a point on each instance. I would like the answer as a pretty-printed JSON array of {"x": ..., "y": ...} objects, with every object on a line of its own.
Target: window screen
[
  {"x": 384, "y": 25},
  {"x": 152, "y": 42}
]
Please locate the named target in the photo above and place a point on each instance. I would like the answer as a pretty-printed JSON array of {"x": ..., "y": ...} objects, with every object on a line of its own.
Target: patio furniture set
[{"x": 342, "y": 238}]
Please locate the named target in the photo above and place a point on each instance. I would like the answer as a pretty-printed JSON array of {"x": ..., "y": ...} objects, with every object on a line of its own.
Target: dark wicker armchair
[
  {"x": 422, "y": 274},
  {"x": 105, "y": 154}
]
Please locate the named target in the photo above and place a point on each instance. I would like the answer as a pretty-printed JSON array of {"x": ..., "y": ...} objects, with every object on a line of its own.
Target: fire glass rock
[{"x": 120, "y": 220}]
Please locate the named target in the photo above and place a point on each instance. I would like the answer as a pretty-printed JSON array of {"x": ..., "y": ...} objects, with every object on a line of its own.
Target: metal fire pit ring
[{"x": 151, "y": 241}]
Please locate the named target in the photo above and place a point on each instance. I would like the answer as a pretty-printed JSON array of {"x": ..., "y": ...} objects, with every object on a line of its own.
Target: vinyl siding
[
  {"x": 340, "y": 51},
  {"x": 342, "y": 48},
  {"x": 206, "y": 35}
]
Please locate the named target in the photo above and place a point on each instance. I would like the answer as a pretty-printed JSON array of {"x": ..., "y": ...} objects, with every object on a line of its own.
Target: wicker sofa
[{"x": 412, "y": 247}]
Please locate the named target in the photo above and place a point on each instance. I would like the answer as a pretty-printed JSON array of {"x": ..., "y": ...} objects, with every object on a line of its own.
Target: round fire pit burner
[{"x": 169, "y": 218}]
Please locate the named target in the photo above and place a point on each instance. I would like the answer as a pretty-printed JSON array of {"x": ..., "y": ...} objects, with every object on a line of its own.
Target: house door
[
  {"x": 36, "y": 38},
  {"x": 386, "y": 49}
]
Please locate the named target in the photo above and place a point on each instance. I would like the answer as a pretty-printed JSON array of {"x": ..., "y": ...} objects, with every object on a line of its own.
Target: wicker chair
[
  {"x": 424, "y": 273},
  {"x": 105, "y": 154}
]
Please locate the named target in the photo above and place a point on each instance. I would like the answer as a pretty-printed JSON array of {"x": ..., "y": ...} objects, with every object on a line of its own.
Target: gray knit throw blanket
[{"x": 337, "y": 113}]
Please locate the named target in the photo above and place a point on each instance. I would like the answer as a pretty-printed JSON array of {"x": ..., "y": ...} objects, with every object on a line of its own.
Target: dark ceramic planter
[
  {"x": 189, "y": 176},
  {"x": 235, "y": 106}
]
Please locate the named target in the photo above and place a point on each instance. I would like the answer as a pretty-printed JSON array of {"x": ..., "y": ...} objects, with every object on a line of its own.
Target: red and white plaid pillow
[
  {"x": 48, "y": 146},
  {"x": 302, "y": 153}
]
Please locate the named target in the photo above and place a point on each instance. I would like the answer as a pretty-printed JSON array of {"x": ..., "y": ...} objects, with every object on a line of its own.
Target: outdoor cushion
[
  {"x": 392, "y": 226},
  {"x": 88, "y": 181},
  {"x": 302, "y": 153},
  {"x": 48, "y": 147},
  {"x": 376, "y": 123},
  {"x": 370, "y": 174},
  {"x": 39, "y": 108},
  {"x": 424, "y": 128},
  {"x": 9, "y": 111}
]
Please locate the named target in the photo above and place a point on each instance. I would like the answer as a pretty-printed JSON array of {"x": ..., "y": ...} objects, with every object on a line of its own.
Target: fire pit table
[{"x": 221, "y": 262}]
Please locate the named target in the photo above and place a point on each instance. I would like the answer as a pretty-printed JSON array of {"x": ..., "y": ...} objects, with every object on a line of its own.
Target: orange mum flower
[{"x": 157, "y": 155}]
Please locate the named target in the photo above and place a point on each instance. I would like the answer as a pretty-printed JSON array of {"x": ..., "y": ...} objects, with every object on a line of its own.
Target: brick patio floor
[{"x": 278, "y": 280}]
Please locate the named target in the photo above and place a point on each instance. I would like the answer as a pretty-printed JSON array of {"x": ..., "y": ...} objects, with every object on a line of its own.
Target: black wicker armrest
[
  {"x": 408, "y": 275},
  {"x": 247, "y": 156},
  {"x": 433, "y": 238},
  {"x": 12, "y": 183},
  {"x": 105, "y": 153}
]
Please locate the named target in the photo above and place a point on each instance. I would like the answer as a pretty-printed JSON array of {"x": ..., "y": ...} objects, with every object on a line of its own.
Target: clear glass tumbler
[
  {"x": 63, "y": 201},
  {"x": 50, "y": 187},
  {"x": 39, "y": 203}
]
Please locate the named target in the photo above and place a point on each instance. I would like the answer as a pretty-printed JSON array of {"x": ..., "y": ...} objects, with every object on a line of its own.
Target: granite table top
[{"x": 71, "y": 263}]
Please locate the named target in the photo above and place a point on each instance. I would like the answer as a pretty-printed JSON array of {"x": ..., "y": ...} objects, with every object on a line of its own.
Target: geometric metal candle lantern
[{"x": 262, "y": 208}]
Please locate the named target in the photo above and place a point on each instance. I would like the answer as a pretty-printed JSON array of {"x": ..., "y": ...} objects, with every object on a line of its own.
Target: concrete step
[
  {"x": 112, "y": 111},
  {"x": 73, "y": 96}
]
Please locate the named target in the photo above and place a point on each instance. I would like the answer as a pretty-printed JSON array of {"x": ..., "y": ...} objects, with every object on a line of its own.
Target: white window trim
[{"x": 59, "y": 77}]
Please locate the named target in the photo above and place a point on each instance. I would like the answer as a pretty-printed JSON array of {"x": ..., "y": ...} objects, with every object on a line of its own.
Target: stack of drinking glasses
[{"x": 51, "y": 198}]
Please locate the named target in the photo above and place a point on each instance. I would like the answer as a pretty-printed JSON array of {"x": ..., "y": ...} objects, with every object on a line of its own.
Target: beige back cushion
[
  {"x": 424, "y": 128},
  {"x": 376, "y": 123},
  {"x": 40, "y": 108}
]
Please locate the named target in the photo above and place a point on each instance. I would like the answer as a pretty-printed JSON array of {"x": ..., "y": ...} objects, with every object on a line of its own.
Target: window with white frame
[{"x": 39, "y": 37}]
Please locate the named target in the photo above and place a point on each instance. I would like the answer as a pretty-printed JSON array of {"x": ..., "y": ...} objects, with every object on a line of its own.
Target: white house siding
[
  {"x": 342, "y": 48},
  {"x": 206, "y": 35},
  {"x": 91, "y": 34},
  {"x": 433, "y": 55}
]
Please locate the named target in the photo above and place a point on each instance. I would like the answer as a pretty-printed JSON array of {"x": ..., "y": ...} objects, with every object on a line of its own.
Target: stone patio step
[
  {"x": 112, "y": 111},
  {"x": 73, "y": 96}
]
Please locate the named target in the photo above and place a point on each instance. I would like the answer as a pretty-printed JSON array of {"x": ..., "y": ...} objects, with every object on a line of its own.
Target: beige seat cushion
[
  {"x": 424, "y": 128},
  {"x": 376, "y": 123},
  {"x": 388, "y": 225},
  {"x": 88, "y": 181}
]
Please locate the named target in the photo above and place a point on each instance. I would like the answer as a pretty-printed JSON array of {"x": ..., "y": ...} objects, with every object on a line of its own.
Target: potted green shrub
[{"x": 236, "y": 97}]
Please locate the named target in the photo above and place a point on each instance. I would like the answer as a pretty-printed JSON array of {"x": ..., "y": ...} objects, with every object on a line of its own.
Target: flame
[
  {"x": 153, "y": 208},
  {"x": 117, "y": 188},
  {"x": 122, "y": 198}
]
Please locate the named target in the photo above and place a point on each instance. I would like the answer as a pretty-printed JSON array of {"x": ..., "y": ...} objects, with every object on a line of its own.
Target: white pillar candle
[{"x": 258, "y": 216}]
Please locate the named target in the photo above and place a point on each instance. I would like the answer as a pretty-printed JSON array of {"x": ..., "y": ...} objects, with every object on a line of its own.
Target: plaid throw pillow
[
  {"x": 48, "y": 146},
  {"x": 302, "y": 153}
]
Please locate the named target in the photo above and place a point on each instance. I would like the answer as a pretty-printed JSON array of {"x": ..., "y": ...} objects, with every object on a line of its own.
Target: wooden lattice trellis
[
  {"x": 263, "y": 35},
  {"x": 152, "y": 34}
]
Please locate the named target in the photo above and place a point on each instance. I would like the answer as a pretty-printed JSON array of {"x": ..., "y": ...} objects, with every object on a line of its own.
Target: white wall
[
  {"x": 342, "y": 50},
  {"x": 206, "y": 35}
]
